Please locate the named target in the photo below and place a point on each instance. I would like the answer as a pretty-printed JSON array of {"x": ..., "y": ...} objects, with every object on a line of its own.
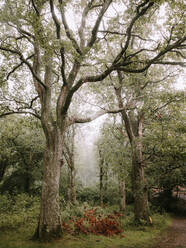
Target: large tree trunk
[
  {"x": 49, "y": 225},
  {"x": 139, "y": 184}
]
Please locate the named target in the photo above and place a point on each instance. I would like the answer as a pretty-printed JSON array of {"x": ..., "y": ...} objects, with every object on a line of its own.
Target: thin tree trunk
[
  {"x": 122, "y": 195},
  {"x": 72, "y": 184},
  {"x": 101, "y": 185},
  {"x": 3, "y": 166},
  {"x": 27, "y": 177}
]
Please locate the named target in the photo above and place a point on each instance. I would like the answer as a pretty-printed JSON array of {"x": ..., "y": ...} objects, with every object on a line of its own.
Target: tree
[
  {"x": 69, "y": 154},
  {"x": 164, "y": 145},
  {"x": 21, "y": 151},
  {"x": 114, "y": 157},
  {"x": 37, "y": 41}
]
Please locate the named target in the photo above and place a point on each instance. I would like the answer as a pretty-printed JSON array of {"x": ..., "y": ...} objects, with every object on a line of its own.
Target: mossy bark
[
  {"x": 140, "y": 192},
  {"x": 49, "y": 226},
  {"x": 122, "y": 195}
]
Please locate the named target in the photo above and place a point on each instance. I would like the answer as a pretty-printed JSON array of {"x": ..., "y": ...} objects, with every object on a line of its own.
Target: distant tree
[
  {"x": 114, "y": 156},
  {"x": 21, "y": 151}
]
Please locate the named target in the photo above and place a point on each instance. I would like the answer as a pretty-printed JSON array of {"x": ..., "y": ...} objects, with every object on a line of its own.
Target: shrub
[
  {"x": 94, "y": 221},
  {"x": 88, "y": 194},
  {"x": 18, "y": 210}
]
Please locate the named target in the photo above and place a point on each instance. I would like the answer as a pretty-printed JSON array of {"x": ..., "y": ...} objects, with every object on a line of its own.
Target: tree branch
[
  {"x": 35, "y": 8},
  {"x": 17, "y": 66},
  {"x": 157, "y": 81},
  {"x": 129, "y": 29},
  {"x": 155, "y": 60},
  {"x": 20, "y": 112},
  {"x": 94, "y": 117},
  {"x": 67, "y": 29},
  {"x": 82, "y": 26},
  {"x": 97, "y": 23},
  {"x": 183, "y": 64},
  {"x": 25, "y": 62},
  {"x": 122, "y": 34},
  {"x": 55, "y": 19}
]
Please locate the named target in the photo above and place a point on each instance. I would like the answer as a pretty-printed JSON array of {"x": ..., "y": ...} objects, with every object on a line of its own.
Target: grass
[{"x": 134, "y": 237}]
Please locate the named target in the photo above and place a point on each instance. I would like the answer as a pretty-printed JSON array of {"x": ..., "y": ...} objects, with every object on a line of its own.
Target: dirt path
[{"x": 176, "y": 235}]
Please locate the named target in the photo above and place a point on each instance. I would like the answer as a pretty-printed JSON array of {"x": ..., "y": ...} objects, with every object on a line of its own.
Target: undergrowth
[
  {"x": 94, "y": 222},
  {"x": 84, "y": 226}
]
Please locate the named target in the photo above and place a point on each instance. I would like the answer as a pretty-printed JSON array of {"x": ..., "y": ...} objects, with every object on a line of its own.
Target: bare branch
[
  {"x": 17, "y": 66},
  {"x": 67, "y": 29},
  {"x": 124, "y": 34},
  {"x": 55, "y": 19},
  {"x": 97, "y": 23},
  {"x": 157, "y": 81},
  {"x": 82, "y": 26},
  {"x": 25, "y": 62},
  {"x": 183, "y": 64},
  {"x": 156, "y": 59},
  {"x": 94, "y": 117},
  {"x": 62, "y": 53},
  {"x": 20, "y": 112},
  {"x": 35, "y": 8},
  {"x": 179, "y": 53},
  {"x": 130, "y": 27},
  {"x": 166, "y": 104},
  {"x": 32, "y": 71}
]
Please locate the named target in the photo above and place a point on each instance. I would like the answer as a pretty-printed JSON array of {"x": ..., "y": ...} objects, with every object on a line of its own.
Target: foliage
[
  {"x": 21, "y": 233},
  {"x": 22, "y": 150},
  {"x": 41, "y": 50},
  {"x": 95, "y": 223},
  {"x": 88, "y": 194},
  {"x": 165, "y": 146},
  {"x": 18, "y": 210}
]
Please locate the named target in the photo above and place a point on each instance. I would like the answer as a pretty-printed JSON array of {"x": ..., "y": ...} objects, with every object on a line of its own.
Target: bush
[
  {"x": 5, "y": 203},
  {"x": 86, "y": 220},
  {"x": 18, "y": 210},
  {"x": 90, "y": 195}
]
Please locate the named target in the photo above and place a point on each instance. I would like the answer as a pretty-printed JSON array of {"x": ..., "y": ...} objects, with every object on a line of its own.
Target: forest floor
[{"x": 175, "y": 236}]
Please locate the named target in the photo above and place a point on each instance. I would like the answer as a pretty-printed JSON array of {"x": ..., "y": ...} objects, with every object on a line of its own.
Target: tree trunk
[
  {"x": 139, "y": 184},
  {"x": 72, "y": 184},
  {"x": 101, "y": 184},
  {"x": 28, "y": 174},
  {"x": 122, "y": 195},
  {"x": 3, "y": 166},
  {"x": 49, "y": 226}
]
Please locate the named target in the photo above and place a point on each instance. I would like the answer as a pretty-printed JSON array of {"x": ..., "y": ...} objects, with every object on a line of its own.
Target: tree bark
[
  {"x": 139, "y": 186},
  {"x": 134, "y": 129},
  {"x": 101, "y": 173},
  {"x": 69, "y": 157},
  {"x": 122, "y": 195},
  {"x": 3, "y": 166},
  {"x": 72, "y": 184},
  {"x": 49, "y": 225}
]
